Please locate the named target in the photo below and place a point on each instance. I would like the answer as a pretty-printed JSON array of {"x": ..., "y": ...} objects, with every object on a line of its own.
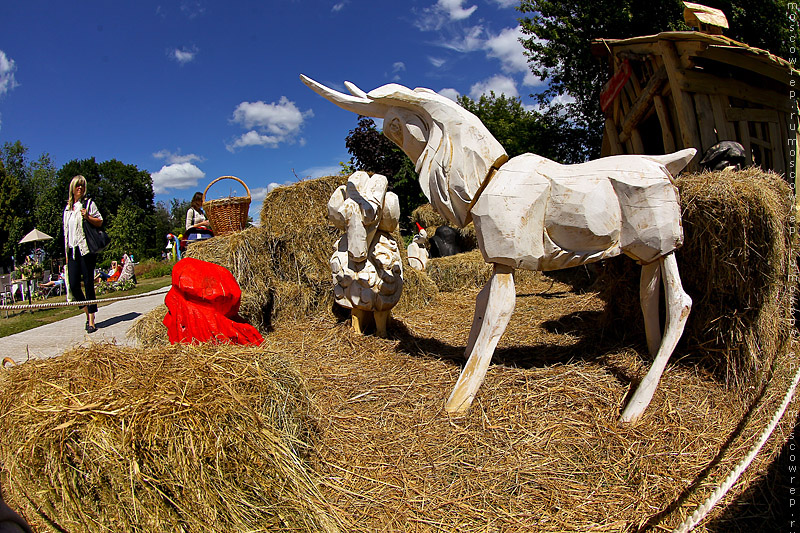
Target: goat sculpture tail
[{"x": 676, "y": 161}]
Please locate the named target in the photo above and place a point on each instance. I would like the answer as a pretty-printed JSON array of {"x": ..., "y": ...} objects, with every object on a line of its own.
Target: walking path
[{"x": 113, "y": 321}]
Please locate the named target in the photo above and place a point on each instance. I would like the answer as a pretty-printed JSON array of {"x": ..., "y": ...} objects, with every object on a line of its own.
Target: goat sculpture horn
[{"x": 359, "y": 103}]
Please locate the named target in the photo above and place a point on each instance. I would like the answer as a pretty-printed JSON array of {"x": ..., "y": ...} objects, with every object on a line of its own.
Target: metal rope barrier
[
  {"x": 721, "y": 490},
  {"x": 80, "y": 303}
]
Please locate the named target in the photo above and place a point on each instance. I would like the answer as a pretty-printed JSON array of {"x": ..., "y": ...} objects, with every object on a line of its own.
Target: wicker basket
[{"x": 227, "y": 214}]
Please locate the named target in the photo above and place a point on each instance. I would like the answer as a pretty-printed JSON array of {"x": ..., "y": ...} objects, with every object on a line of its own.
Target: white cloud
[
  {"x": 561, "y": 99},
  {"x": 437, "y": 61},
  {"x": 318, "y": 172},
  {"x": 7, "y": 68},
  {"x": 269, "y": 124},
  {"x": 454, "y": 9},
  {"x": 499, "y": 84},
  {"x": 338, "y": 7},
  {"x": 470, "y": 40},
  {"x": 450, "y": 93},
  {"x": 183, "y": 55},
  {"x": 172, "y": 158},
  {"x": 176, "y": 176},
  {"x": 257, "y": 196},
  {"x": 441, "y": 13},
  {"x": 506, "y": 47},
  {"x": 192, "y": 9},
  {"x": 397, "y": 68},
  {"x": 507, "y": 3}
]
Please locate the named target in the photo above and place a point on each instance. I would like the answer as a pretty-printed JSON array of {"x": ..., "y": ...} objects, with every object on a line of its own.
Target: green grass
[{"x": 18, "y": 321}]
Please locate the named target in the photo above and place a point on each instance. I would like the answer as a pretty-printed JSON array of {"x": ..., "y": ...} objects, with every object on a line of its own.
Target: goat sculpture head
[{"x": 452, "y": 149}]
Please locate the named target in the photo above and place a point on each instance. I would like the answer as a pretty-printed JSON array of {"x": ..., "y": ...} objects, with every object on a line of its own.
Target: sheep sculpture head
[{"x": 366, "y": 267}]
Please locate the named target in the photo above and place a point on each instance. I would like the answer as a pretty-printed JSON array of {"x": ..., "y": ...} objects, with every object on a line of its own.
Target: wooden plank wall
[{"x": 697, "y": 109}]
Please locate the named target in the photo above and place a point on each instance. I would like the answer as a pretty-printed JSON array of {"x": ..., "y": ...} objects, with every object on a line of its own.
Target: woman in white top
[
  {"x": 197, "y": 226},
  {"x": 80, "y": 262}
]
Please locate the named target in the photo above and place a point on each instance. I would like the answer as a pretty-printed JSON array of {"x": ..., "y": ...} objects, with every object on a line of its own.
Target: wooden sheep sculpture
[
  {"x": 366, "y": 266},
  {"x": 536, "y": 214},
  {"x": 417, "y": 253}
]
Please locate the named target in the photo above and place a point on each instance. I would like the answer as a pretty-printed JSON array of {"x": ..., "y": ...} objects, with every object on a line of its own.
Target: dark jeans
[{"x": 81, "y": 267}]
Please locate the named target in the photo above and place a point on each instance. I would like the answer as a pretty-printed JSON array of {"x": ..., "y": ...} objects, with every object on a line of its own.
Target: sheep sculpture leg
[
  {"x": 381, "y": 319},
  {"x": 678, "y": 305},
  {"x": 360, "y": 319},
  {"x": 493, "y": 310}
]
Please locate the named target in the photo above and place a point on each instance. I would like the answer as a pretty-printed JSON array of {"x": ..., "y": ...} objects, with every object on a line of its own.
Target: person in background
[
  {"x": 197, "y": 226},
  {"x": 56, "y": 282},
  {"x": 80, "y": 262},
  {"x": 113, "y": 272}
]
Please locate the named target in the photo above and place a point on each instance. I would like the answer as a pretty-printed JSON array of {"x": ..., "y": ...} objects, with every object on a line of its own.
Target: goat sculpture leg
[
  {"x": 493, "y": 310},
  {"x": 648, "y": 297},
  {"x": 678, "y": 305}
]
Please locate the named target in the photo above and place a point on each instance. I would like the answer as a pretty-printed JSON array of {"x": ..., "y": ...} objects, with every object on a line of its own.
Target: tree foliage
[
  {"x": 125, "y": 230},
  {"x": 33, "y": 194},
  {"x": 371, "y": 151},
  {"x": 521, "y": 130},
  {"x": 115, "y": 186},
  {"x": 559, "y": 35},
  {"x": 10, "y": 221}
]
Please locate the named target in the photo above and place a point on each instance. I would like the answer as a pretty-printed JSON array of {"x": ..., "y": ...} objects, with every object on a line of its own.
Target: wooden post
[
  {"x": 687, "y": 123},
  {"x": 666, "y": 127}
]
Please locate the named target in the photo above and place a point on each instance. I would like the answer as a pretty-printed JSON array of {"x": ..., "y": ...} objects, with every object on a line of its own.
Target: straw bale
[
  {"x": 541, "y": 449},
  {"x": 464, "y": 270},
  {"x": 283, "y": 266},
  {"x": 185, "y": 438},
  {"x": 738, "y": 263},
  {"x": 429, "y": 219},
  {"x": 149, "y": 330}
]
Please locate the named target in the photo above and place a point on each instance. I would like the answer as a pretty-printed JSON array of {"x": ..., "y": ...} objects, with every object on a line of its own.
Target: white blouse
[{"x": 73, "y": 225}]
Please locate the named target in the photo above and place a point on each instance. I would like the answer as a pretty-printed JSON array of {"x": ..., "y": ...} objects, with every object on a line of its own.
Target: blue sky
[{"x": 193, "y": 90}]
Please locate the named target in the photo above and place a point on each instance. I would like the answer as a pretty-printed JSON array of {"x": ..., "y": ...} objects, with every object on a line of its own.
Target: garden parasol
[{"x": 35, "y": 235}]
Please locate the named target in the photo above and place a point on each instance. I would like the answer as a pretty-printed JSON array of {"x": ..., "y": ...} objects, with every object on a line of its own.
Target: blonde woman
[{"x": 80, "y": 262}]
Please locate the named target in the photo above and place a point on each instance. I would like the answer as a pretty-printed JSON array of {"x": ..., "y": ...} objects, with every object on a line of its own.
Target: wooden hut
[{"x": 690, "y": 89}]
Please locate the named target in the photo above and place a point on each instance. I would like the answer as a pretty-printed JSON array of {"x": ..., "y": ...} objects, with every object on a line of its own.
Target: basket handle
[{"x": 222, "y": 178}]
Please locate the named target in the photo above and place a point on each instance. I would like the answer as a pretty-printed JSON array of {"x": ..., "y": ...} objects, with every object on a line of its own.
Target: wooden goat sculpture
[{"x": 536, "y": 214}]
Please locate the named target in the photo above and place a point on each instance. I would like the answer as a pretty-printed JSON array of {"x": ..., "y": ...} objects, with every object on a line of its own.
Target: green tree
[
  {"x": 114, "y": 185},
  {"x": 10, "y": 221},
  {"x": 47, "y": 204},
  {"x": 559, "y": 35},
  {"x": 520, "y": 130},
  {"x": 125, "y": 230},
  {"x": 371, "y": 151},
  {"x": 178, "y": 209}
]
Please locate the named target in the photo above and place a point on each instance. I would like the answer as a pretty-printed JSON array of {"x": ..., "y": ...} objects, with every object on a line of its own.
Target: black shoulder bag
[{"x": 97, "y": 239}]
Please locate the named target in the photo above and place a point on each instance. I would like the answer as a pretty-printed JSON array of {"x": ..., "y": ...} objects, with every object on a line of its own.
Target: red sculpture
[{"x": 203, "y": 306}]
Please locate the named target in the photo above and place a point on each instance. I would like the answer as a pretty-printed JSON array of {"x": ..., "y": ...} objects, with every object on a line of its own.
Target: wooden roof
[{"x": 715, "y": 47}]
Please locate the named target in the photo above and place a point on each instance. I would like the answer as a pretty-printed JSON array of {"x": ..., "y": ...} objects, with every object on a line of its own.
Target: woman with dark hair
[
  {"x": 197, "y": 227},
  {"x": 80, "y": 261}
]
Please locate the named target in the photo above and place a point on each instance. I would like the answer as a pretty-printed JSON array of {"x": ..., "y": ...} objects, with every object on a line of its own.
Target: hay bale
[
  {"x": 738, "y": 263},
  {"x": 189, "y": 438},
  {"x": 459, "y": 271},
  {"x": 149, "y": 330},
  {"x": 429, "y": 219},
  {"x": 467, "y": 270},
  {"x": 283, "y": 266}
]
